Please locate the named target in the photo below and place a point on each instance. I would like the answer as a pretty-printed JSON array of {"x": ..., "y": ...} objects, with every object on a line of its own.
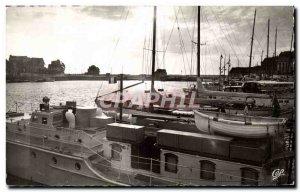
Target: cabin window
[
  {"x": 171, "y": 161},
  {"x": 207, "y": 170},
  {"x": 77, "y": 166},
  {"x": 249, "y": 176},
  {"x": 116, "y": 150},
  {"x": 54, "y": 160},
  {"x": 44, "y": 120},
  {"x": 33, "y": 154},
  {"x": 34, "y": 118}
]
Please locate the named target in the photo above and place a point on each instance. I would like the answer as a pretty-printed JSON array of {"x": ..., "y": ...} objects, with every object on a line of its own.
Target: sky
[{"x": 118, "y": 39}]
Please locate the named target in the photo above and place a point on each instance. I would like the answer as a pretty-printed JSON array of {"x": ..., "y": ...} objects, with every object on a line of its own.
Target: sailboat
[
  {"x": 59, "y": 148},
  {"x": 197, "y": 98}
]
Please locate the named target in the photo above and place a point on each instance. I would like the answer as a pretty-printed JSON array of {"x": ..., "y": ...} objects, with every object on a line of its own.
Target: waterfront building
[
  {"x": 279, "y": 65},
  {"x": 23, "y": 64}
]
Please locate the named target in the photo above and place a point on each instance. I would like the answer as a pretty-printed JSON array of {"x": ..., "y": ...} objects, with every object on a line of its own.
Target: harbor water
[{"x": 29, "y": 95}]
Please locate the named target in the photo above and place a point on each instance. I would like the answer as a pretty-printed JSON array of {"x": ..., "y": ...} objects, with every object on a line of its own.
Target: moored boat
[{"x": 238, "y": 125}]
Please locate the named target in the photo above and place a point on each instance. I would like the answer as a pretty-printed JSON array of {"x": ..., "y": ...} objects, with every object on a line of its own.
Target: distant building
[
  {"x": 241, "y": 71},
  {"x": 56, "y": 67},
  {"x": 283, "y": 64},
  {"x": 279, "y": 65},
  {"x": 160, "y": 74},
  {"x": 23, "y": 64}
]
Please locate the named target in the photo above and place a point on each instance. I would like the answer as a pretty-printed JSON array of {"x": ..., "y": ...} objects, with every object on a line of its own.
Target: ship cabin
[
  {"x": 47, "y": 119},
  {"x": 140, "y": 155},
  {"x": 185, "y": 158}
]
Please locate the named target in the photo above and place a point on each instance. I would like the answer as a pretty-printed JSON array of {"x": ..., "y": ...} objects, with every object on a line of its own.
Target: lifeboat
[{"x": 238, "y": 125}]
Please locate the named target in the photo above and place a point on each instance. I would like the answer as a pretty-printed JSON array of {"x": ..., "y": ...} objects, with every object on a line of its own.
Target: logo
[{"x": 277, "y": 173}]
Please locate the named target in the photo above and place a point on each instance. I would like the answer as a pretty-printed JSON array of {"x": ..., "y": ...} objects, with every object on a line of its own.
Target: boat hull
[
  {"x": 238, "y": 126},
  {"x": 21, "y": 162}
]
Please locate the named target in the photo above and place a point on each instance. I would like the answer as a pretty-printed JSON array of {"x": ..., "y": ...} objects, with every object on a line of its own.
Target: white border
[{"x": 3, "y": 186}]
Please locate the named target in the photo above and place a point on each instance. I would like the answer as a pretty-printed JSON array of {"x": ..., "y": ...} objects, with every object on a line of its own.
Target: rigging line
[
  {"x": 143, "y": 63},
  {"x": 182, "y": 57},
  {"x": 205, "y": 55},
  {"x": 162, "y": 34},
  {"x": 255, "y": 36},
  {"x": 120, "y": 90},
  {"x": 99, "y": 89},
  {"x": 148, "y": 53},
  {"x": 192, "y": 45},
  {"x": 214, "y": 34},
  {"x": 182, "y": 44},
  {"x": 233, "y": 35},
  {"x": 226, "y": 36},
  {"x": 220, "y": 44},
  {"x": 181, "y": 41},
  {"x": 185, "y": 23},
  {"x": 228, "y": 41},
  {"x": 209, "y": 52},
  {"x": 170, "y": 35},
  {"x": 143, "y": 67},
  {"x": 117, "y": 42}
]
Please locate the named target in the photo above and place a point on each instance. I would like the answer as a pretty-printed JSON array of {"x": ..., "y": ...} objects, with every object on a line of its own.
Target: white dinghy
[{"x": 238, "y": 125}]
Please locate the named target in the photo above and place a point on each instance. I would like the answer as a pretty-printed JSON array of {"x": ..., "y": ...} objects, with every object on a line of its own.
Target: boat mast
[
  {"x": 224, "y": 68},
  {"x": 275, "y": 41},
  {"x": 121, "y": 97},
  {"x": 291, "y": 55},
  {"x": 252, "y": 43},
  {"x": 268, "y": 38},
  {"x": 228, "y": 71},
  {"x": 198, "y": 43},
  {"x": 153, "y": 50},
  {"x": 153, "y": 57},
  {"x": 274, "y": 65},
  {"x": 220, "y": 69}
]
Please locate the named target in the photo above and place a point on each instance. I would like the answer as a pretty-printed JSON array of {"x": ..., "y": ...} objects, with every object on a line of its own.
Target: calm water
[{"x": 29, "y": 95}]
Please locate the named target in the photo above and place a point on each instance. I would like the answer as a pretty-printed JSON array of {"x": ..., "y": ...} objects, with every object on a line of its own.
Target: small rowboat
[{"x": 238, "y": 125}]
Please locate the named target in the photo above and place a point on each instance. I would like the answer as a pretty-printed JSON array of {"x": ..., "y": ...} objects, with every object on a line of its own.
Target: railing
[{"x": 114, "y": 170}]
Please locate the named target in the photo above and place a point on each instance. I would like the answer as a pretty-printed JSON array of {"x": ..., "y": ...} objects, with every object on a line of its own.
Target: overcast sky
[{"x": 119, "y": 39}]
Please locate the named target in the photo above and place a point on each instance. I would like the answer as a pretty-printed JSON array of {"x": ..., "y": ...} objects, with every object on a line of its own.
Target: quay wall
[{"x": 25, "y": 77}]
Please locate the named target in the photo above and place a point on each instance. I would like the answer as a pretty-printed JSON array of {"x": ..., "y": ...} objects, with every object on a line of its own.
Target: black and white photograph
[{"x": 150, "y": 96}]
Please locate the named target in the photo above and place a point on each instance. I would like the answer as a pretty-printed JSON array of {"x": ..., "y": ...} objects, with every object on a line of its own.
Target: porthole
[
  {"x": 77, "y": 166},
  {"x": 79, "y": 141},
  {"x": 54, "y": 160},
  {"x": 33, "y": 154},
  {"x": 56, "y": 136}
]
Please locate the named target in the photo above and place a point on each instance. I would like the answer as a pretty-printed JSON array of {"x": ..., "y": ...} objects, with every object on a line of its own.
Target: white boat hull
[
  {"x": 238, "y": 126},
  {"x": 41, "y": 169}
]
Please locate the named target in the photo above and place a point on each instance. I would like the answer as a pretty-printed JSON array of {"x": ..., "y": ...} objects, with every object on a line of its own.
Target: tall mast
[
  {"x": 228, "y": 70},
  {"x": 274, "y": 65},
  {"x": 224, "y": 68},
  {"x": 291, "y": 55},
  {"x": 268, "y": 38},
  {"x": 153, "y": 50},
  {"x": 275, "y": 41},
  {"x": 252, "y": 43},
  {"x": 198, "y": 44}
]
